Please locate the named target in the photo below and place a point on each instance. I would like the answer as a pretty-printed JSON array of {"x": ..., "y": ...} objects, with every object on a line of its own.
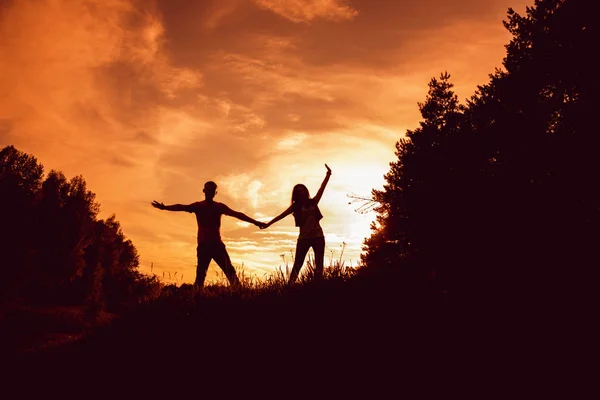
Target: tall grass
[
  {"x": 252, "y": 286},
  {"x": 155, "y": 299}
]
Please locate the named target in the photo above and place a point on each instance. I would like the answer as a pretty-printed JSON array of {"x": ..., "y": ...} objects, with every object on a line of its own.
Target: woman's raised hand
[{"x": 328, "y": 169}]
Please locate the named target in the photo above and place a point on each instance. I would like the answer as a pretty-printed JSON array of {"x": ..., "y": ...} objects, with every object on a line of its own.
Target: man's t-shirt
[{"x": 208, "y": 216}]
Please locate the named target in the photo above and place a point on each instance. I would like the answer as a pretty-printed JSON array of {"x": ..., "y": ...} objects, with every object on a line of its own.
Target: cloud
[
  {"x": 243, "y": 187},
  {"x": 90, "y": 71},
  {"x": 308, "y": 10},
  {"x": 218, "y": 12},
  {"x": 290, "y": 142},
  {"x": 5, "y": 126},
  {"x": 88, "y": 89},
  {"x": 150, "y": 99}
]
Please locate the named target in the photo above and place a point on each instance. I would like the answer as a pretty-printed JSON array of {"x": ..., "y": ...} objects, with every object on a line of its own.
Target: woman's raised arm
[{"x": 322, "y": 188}]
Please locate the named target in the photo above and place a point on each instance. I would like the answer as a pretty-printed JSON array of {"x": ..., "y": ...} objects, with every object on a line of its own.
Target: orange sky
[{"x": 149, "y": 99}]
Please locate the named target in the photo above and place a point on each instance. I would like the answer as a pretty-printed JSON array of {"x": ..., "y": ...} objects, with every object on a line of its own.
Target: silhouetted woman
[{"x": 307, "y": 216}]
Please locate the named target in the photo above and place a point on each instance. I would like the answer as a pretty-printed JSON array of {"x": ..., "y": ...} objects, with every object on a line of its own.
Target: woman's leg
[
  {"x": 318, "y": 246},
  {"x": 302, "y": 246}
]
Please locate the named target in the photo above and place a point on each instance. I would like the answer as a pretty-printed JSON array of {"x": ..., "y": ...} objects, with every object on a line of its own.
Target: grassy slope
[{"x": 378, "y": 330}]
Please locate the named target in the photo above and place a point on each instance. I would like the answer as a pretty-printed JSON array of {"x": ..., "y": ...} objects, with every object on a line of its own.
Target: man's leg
[
  {"x": 204, "y": 257},
  {"x": 318, "y": 245},
  {"x": 302, "y": 246},
  {"x": 222, "y": 259}
]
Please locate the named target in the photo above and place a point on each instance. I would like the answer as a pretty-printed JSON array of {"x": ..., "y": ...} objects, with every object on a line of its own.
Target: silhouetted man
[{"x": 210, "y": 246}]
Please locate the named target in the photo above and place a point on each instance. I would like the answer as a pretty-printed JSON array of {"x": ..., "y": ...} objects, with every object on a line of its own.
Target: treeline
[
  {"x": 53, "y": 247},
  {"x": 501, "y": 195}
]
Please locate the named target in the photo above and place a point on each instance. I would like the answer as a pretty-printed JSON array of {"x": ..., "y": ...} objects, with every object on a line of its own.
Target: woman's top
[{"x": 307, "y": 218}]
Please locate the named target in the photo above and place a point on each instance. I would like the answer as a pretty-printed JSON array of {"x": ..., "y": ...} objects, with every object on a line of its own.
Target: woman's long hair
[{"x": 299, "y": 199}]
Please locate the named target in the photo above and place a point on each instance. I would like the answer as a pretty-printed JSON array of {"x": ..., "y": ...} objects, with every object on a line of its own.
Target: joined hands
[{"x": 261, "y": 225}]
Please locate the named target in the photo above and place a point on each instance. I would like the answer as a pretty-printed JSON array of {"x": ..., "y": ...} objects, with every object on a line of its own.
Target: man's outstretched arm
[
  {"x": 172, "y": 207},
  {"x": 243, "y": 217}
]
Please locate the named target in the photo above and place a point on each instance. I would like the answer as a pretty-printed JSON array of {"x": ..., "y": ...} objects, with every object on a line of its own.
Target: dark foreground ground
[{"x": 368, "y": 337}]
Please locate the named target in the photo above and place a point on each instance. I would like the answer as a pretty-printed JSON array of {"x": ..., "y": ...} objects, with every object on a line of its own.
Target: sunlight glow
[{"x": 148, "y": 106}]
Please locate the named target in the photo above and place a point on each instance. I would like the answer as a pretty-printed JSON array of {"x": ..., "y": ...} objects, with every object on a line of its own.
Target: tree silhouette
[
  {"x": 65, "y": 214},
  {"x": 54, "y": 249},
  {"x": 536, "y": 119},
  {"x": 417, "y": 192},
  {"x": 20, "y": 179},
  {"x": 500, "y": 196}
]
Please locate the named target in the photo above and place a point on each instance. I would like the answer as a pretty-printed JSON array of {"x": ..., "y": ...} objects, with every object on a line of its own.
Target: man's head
[{"x": 210, "y": 190}]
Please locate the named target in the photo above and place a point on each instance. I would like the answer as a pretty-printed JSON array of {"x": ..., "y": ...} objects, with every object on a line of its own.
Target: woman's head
[{"x": 300, "y": 194}]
